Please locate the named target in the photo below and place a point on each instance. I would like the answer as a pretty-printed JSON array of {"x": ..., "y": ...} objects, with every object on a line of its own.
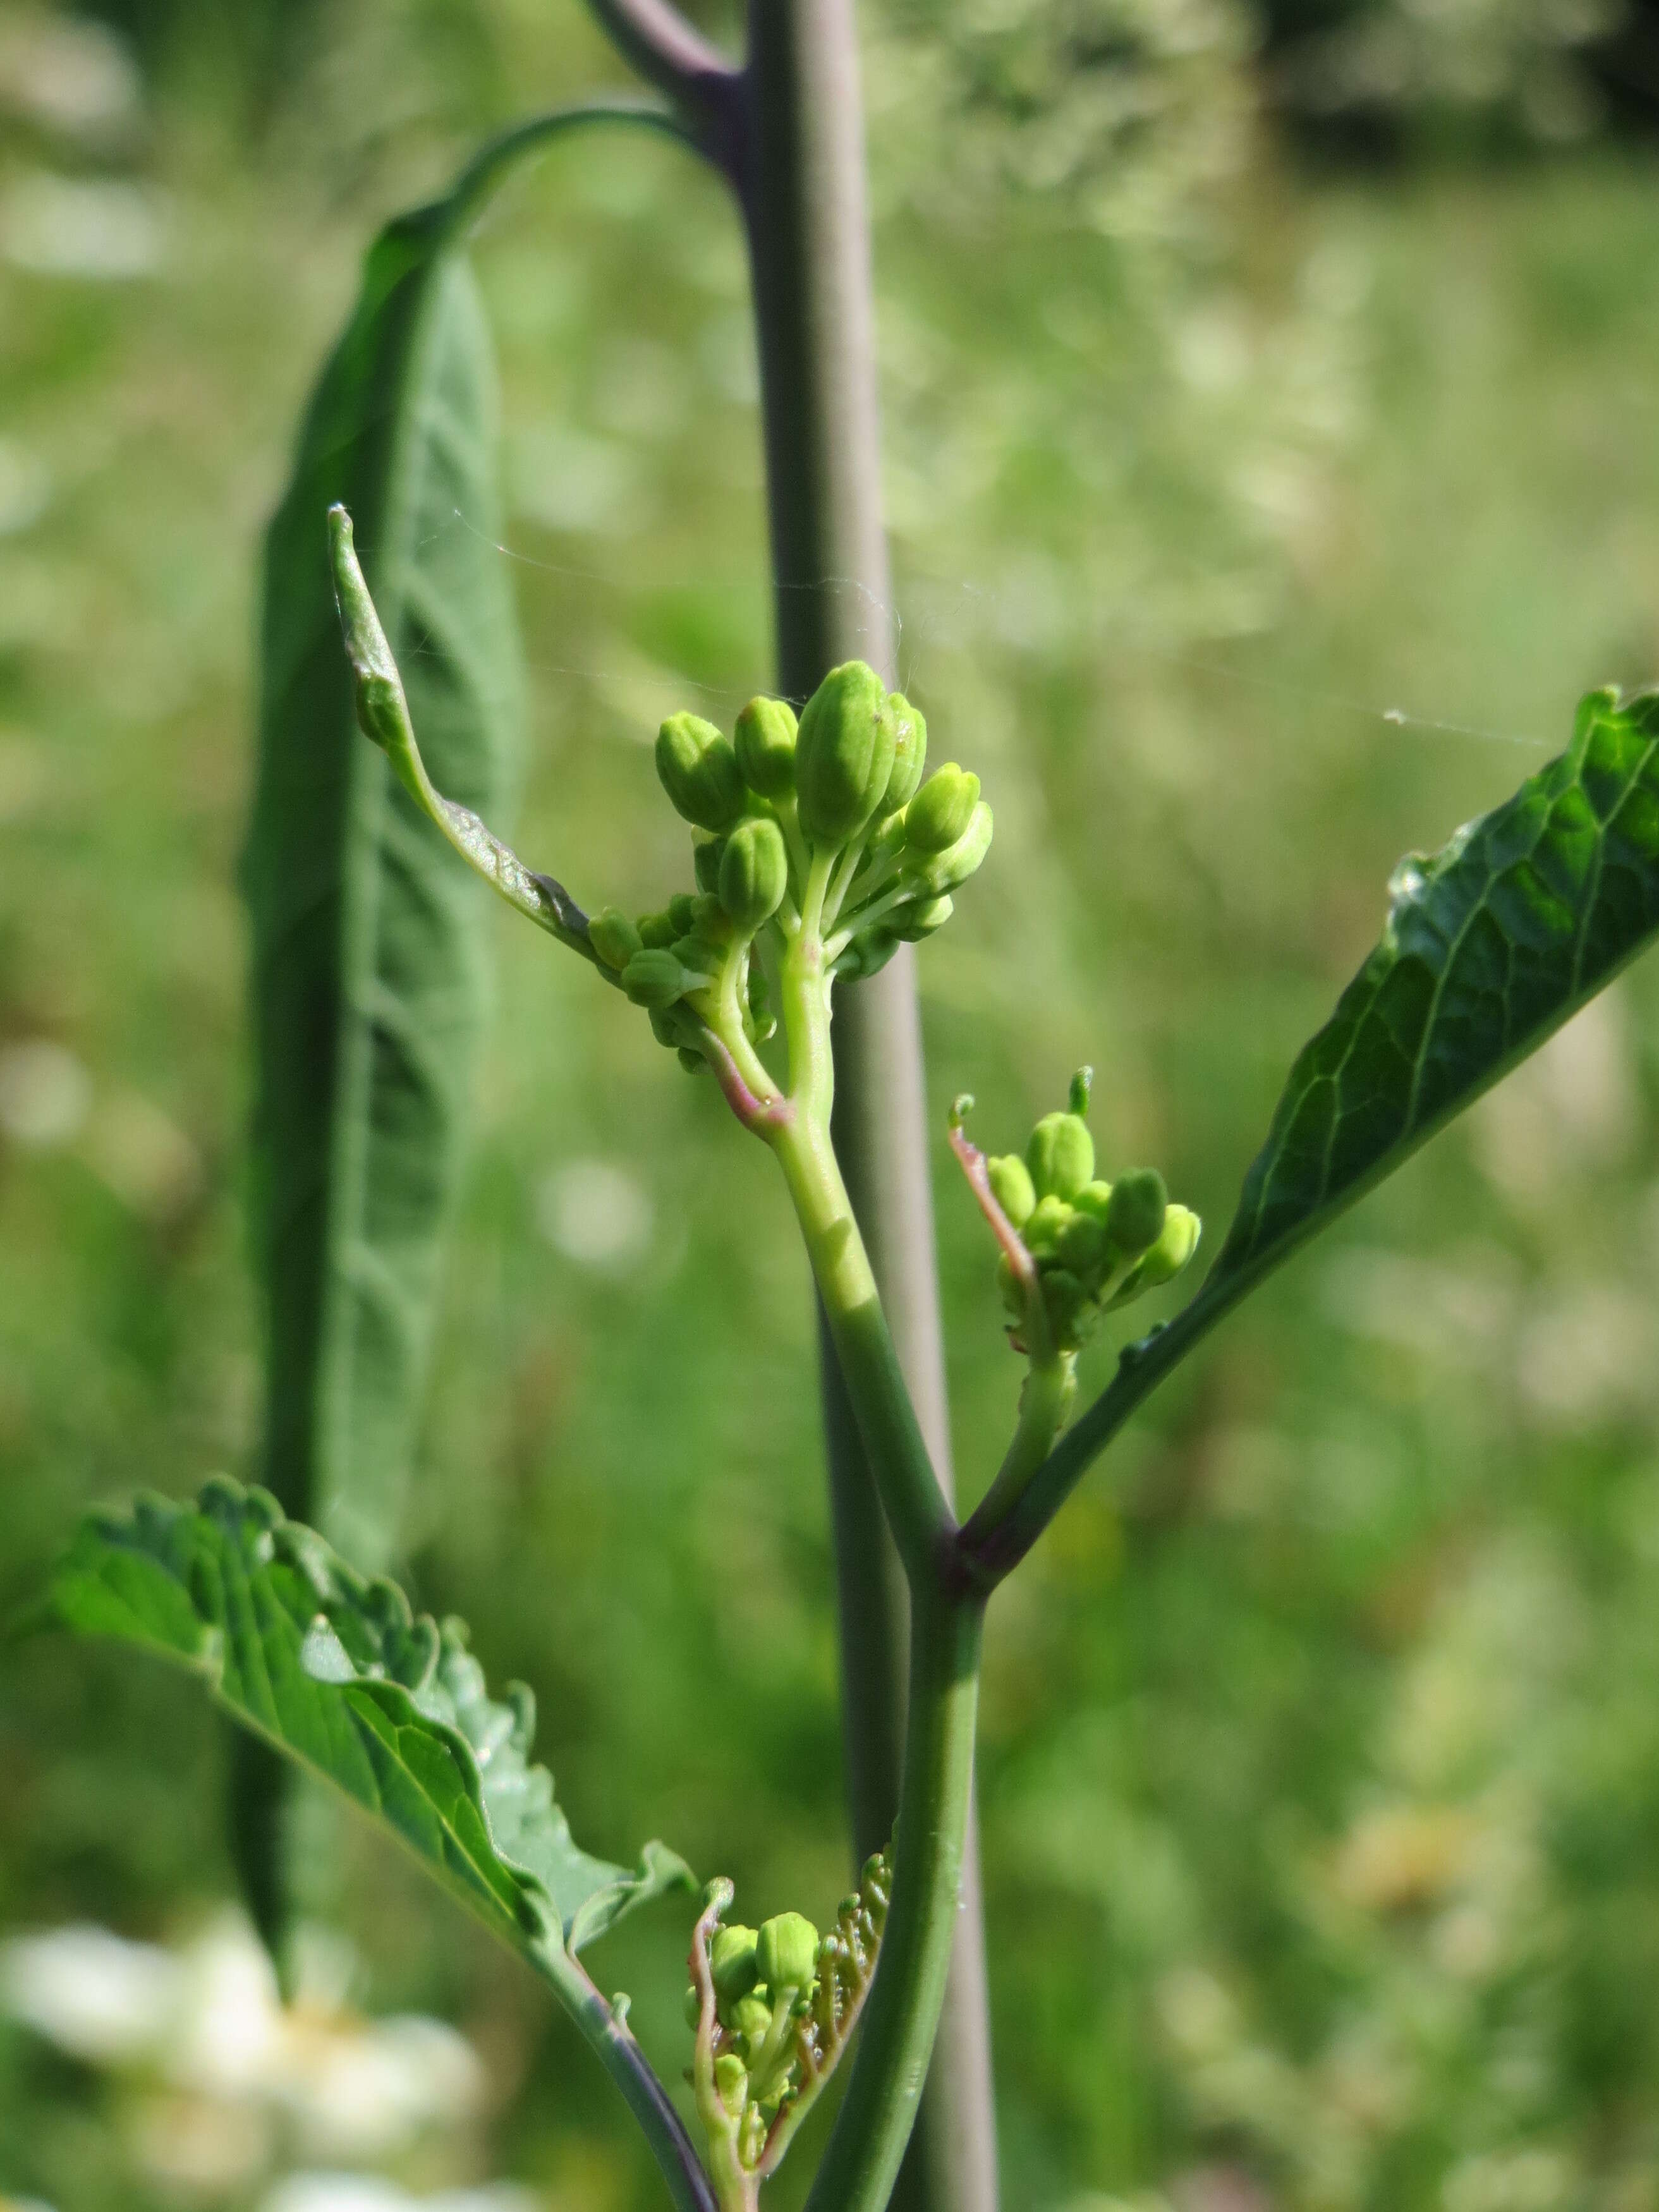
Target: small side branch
[{"x": 670, "y": 53}]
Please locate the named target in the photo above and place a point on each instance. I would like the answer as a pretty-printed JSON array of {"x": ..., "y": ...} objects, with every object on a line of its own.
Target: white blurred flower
[
  {"x": 352, "y": 2192},
  {"x": 44, "y": 1094},
  {"x": 57, "y": 226},
  {"x": 92, "y": 1994},
  {"x": 596, "y": 1213},
  {"x": 210, "y": 2025}
]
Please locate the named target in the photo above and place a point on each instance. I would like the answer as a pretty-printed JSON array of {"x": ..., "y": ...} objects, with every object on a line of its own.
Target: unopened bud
[
  {"x": 941, "y": 810},
  {"x": 1065, "y": 1297},
  {"x": 1175, "y": 1247},
  {"x": 663, "y": 1028},
  {"x": 913, "y": 923},
  {"x": 682, "y": 912},
  {"x": 1082, "y": 1245},
  {"x": 701, "y": 960},
  {"x": 765, "y": 742},
  {"x": 1061, "y": 1156},
  {"x": 654, "y": 979},
  {"x": 693, "y": 2006},
  {"x": 1048, "y": 1218},
  {"x": 785, "y": 1952},
  {"x": 731, "y": 2082},
  {"x": 1093, "y": 1199},
  {"x": 1011, "y": 1187},
  {"x": 1010, "y": 1288},
  {"x": 699, "y": 771},
  {"x": 657, "y": 930},
  {"x": 732, "y": 1963},
  {"x": 751, "y": 2016},
  {"x": 909, "y": 753},
  {"x": 843, "y": 754},
  {"x": 614, "y": 937},
  {"x": 692, "y": 1062},
  {"x": 753, "y": 873},
  {"x": 957, "y": 862},
  {"x": 705, "y": 861},
  {"x": 1134, "y": 1219}
]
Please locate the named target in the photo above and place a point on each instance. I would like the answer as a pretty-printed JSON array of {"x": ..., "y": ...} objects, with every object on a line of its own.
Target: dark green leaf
[
  {"x": 333, "y": 1669},
  {"x": 1489, "y": 946},
  {"x": 368, "y": 936}
]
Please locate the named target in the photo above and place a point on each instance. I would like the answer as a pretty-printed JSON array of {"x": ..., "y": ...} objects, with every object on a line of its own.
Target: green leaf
[
  {"x": 369, "y": 940},
  {"x": 1489, "y": 947},
  {"x": 333, "y": 1669}
]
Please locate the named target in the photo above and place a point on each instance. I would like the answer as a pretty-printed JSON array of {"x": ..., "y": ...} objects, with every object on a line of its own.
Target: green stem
[
  {"x": 914, "y": 1505},
  {"x": 604, "y": 2029},
  {"x": 896, "y": 2036},
  {"x": 1044, "y": 1402}
]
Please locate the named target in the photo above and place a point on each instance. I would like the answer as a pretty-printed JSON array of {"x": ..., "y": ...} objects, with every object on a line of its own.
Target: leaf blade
[
  {"x": 1490, "y": 946},
  {"x": 369, "y": 942},
  {"x": 335, "y": 1672}
]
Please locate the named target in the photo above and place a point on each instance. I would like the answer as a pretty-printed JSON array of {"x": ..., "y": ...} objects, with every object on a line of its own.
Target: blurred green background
[{"x": 1272, "y": 452}]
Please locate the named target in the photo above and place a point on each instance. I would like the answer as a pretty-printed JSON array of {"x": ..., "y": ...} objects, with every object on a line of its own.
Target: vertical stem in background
[{"x": 804, "y": 196}]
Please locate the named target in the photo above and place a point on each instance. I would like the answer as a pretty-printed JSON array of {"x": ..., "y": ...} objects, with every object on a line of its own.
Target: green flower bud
[
  {"x": 1061, "y": 1156},
  {"x": 941, "y": 810},
  {"x": 1066, "y": 1299},
  {"x": 1048, "y": 1218},
  {"x": 682, "y": 912},
  {"x": 909, "y": 753},
  {"x": 765, "y": 742},
  {"x": 709, "y": 917},
  {"x": 913, "y": 923},
  {"x": 1134, "y": 1219},
  {"x": 1093, "y": 1199},
  {"x": 754, "y": 874},
  {"x": 957, "y": 862},
  {"x": 654, "y": 979},
  {"x": 751, "y": 2016},
  {"x": 613, "y": 937},
  {"x": 693, "y": 2007},
  {"x": 698, "y": 772},
  {"x": 1011, "y": 1187},
  {"x": 786, "y": 1952},
  {"x": 1010, "y": 1289},
  {"x": 705, "y": 862},
  {"x": 1175, "y": 1247},
  {"x": 1082, "y": 1245},
  {"x": 731, "y": 2082},
  {"x": 663, "y": 1029},
  {"x": 657, "y": 930},
  {"x": 692, "y": 1062},
  {"x": 701, "y": 960},
  {"x": 732, "y": 1963},
  {"x": 867, "y": 955},
  {"x": 844, "y": 753}
]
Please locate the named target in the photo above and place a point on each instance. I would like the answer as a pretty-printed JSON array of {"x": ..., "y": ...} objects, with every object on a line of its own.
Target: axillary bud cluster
[{"x": 1095, "y": 1245}]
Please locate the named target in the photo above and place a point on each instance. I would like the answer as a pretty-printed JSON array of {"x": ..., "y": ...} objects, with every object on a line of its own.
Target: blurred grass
[{"x": 1241, "y": 550}]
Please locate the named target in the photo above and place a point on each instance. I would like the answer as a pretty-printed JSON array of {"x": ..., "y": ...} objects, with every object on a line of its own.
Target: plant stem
[
  {"x": 897, "y": 2035},
  {"x": 801, "y": 186},
  {"x": 605, "y": 2029}
]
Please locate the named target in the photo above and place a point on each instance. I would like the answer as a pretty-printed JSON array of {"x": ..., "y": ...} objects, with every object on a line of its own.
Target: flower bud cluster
[
  {"x": 786, "y": 2002},
  {"x": 824, "y": 825},
  {"x": 1095, "y": 1244}
]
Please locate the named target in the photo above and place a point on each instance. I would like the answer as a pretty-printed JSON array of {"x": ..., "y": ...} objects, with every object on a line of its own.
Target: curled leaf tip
[{"x": 961, "y": 1106}]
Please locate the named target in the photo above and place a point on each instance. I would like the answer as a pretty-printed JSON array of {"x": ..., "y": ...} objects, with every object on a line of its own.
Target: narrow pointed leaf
[
  {"x": 369, "y": 977},
  {"x": 333, "y": 1670},
  {"x": 1489, "y": 946}
]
